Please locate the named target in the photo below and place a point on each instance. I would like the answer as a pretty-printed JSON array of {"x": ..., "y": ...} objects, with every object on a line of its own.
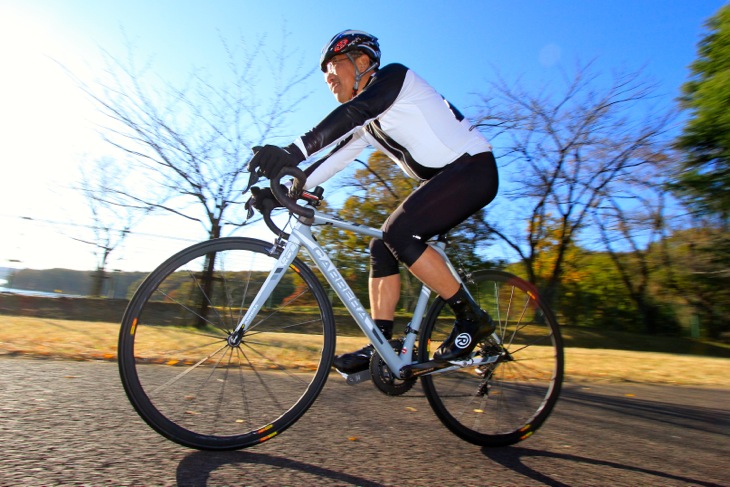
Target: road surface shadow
[
  {"x": 699, "y": 418},
  {"x": 513, "y": 459},
  {"x": 704, "y": 419},
  {"x": 195, "y": 469}
]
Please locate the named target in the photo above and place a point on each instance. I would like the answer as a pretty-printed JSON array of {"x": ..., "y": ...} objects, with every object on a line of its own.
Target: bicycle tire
[
  {"x": 505, "y": 402},
  {"x": 196, "y": 387}
]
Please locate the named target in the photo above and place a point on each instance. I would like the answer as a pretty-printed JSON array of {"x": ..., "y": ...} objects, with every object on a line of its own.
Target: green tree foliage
[
  {"x": 592, "y": 291},
  {"x": 700, "y": 281},
  {"x": 704, "y": 180},
  {"x": 593, "y": 294},
  {"x": 629, "y": 236}
]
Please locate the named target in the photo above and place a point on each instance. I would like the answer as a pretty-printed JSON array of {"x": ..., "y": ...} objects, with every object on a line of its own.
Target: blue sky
[{"x": 46, "y": 125}]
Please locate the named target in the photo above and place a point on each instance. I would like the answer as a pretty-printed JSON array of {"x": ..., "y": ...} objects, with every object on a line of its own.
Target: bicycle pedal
[{"x": 355, "y": 378}]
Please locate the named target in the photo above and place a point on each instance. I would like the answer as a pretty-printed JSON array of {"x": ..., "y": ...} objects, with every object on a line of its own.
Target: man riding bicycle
[{"x": 395, "y": 111}]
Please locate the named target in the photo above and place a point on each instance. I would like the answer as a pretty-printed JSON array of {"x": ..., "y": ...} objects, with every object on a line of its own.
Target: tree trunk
[
  {"x": 97, "y": 282},
  {"x": 207, "y": 280}
]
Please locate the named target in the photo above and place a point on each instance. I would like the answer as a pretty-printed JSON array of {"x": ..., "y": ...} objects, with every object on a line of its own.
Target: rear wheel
[
  {"x": 196, "y": 382},
  {"x": 505, "y": 401}
]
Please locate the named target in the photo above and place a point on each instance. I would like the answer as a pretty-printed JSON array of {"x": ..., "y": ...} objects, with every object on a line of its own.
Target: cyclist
[{"x": 397, "y": 112}]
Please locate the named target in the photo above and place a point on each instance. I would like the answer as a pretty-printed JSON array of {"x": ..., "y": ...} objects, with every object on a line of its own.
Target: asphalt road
[{"x": 69, "y": 423}]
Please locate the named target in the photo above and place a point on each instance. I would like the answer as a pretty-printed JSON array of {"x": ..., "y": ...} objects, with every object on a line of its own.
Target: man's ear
[{"x": 363, "y": 62}]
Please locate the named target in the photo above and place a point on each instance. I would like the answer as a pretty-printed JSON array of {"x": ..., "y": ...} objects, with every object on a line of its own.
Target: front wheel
[
  {"x": 199, "y": 384},
  {"x": 509, "y": 395}
]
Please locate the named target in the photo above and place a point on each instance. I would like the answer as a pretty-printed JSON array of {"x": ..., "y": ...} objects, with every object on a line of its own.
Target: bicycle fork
[{"x": 288, "y": 254}]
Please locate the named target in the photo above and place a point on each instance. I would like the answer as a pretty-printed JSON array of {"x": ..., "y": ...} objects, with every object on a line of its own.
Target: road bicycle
[{"x": 228, "y": 343}]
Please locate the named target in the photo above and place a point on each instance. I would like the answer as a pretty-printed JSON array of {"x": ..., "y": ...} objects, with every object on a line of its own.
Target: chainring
[{"x": 384, "y": 379}]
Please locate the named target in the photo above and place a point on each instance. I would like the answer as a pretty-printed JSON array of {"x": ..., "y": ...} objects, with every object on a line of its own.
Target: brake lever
[
  {"x": 252, "y": 179},
  {"x": 255, "y": 174}
]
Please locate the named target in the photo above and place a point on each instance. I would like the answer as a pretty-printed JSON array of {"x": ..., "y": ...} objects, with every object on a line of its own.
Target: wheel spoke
[
  {"x": 499, "y": 403},
  {"x": 195, "y": 382},
  {"x": 187, "y": 371}
]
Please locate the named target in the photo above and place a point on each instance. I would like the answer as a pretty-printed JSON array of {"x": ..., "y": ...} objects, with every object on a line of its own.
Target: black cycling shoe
[
  {"x": 467, "y": 333},
  {"x": 349, "y": 363},
  {"x": 472, "y": 325}
]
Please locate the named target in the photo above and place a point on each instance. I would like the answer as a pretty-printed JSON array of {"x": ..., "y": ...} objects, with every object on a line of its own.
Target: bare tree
[
  {"x": 632, "y": 237},
  {"x": 565, "y": 153},
  {"x": 188, "y": 143},
  {"x": 111, "y": 222}
]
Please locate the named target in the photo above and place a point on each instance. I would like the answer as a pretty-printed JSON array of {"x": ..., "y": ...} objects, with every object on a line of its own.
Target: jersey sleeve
[
  {"x": 346, "y": 119},
  {"x": 342, "y": 155}
]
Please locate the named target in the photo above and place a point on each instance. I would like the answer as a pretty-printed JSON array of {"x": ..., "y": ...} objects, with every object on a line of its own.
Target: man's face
[{"x": 340, "y": 77}]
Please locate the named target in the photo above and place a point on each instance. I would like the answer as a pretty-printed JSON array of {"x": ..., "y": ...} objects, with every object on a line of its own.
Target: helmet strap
[{"x": 358, "y": 74}]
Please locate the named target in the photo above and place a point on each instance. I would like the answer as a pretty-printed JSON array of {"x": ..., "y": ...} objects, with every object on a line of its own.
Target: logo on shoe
[{"x": 463, "y": 340}]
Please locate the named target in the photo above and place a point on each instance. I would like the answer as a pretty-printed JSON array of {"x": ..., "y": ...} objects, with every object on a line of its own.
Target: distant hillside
[{"x": 67, "y": 281}]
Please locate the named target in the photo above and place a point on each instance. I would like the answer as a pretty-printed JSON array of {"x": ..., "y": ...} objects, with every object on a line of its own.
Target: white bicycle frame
[{"x": 301, "y": 236}]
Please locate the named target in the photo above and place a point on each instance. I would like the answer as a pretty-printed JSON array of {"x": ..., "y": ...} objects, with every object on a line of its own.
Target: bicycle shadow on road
[
  {"x": 195, "y": 469},
  {"x": 513, "y": 459},
  {"x": 700, "y": 418}
]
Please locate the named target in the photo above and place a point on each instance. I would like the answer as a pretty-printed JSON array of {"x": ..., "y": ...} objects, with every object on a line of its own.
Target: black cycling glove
[{"x": 270, "y": 159}]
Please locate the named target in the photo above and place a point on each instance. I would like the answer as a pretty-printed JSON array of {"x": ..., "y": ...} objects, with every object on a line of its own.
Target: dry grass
[
  {"x": 648, "y": 367},
  {"x": 58, "y": 338},
  {"x": 81, "y": 340}
]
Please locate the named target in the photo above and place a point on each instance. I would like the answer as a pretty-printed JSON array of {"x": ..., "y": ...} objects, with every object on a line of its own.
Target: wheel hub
[{"x": 235, "y": 338}]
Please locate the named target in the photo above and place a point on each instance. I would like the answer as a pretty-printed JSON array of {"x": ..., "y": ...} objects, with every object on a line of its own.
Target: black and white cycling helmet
[{"x": 348, "y": 41}]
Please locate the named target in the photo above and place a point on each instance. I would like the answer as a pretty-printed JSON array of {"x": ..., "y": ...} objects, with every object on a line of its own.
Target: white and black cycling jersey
[{"x": 399, "y": 114}]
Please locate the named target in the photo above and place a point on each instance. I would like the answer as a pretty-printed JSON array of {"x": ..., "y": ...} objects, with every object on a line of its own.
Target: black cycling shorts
[{"x": 451, "y": 196}]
